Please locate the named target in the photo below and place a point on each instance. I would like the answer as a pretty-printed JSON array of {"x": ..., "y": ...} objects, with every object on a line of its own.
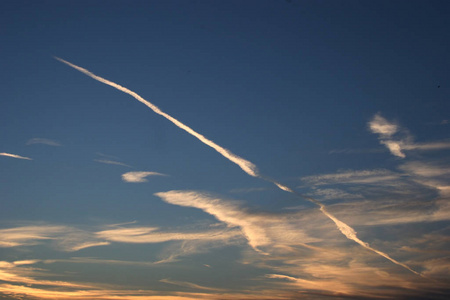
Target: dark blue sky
[{"x": 345, "y": 101}]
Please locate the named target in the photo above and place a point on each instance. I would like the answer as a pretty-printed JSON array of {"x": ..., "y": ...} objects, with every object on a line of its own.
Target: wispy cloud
[
  {"x": 63, "y": 238},
  {"x": 398, "y": 140},
  {"x": 386, "y": 130},
  {"x": 426, "y": 169},
  {"x": 15, "y": 273},
  {"x": 261, "y": 230},
  {"x": 140, "y": 176},
  {"x": 43, "y": 141},
  {"x": 248, "y": 167},
  {"x": 428, "y": 146},
  {"x": 353, "y": 176},
  {"x": 248, "y": 190},
  {"x": 14, "y": 156},
  {"x": 146, "y": 235},
  {"x": 19, "y": 280},
  {"x": 111, "y": 162},
  {"x": 28, "y": 235},
  {"x": 331, "y": 194},
  {"x": 191, "y": 285},
  {"x": 354, "y": 151},
  {"x": 392, "y": 212}
]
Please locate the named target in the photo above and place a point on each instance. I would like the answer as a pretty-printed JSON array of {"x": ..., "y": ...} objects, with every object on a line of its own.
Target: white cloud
[
  {"x": 386, "y": 130},
  {"x": 403, "y": 140},
  {"x": 14, "y": 156},
  {"x": 395, "y": 148},
  {"x": 381, "y": 126},
  {"x": 139, "y": 176}
]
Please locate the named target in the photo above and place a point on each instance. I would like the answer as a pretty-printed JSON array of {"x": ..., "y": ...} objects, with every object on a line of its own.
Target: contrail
[{"x": 247, "y": 166}]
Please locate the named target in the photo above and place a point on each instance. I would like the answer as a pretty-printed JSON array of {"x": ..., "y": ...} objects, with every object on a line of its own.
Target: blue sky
[{"x": 339, "y": 109}]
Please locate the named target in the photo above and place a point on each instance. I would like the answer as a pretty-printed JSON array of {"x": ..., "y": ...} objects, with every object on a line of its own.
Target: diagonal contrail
[{"x": 247, "y": 166}]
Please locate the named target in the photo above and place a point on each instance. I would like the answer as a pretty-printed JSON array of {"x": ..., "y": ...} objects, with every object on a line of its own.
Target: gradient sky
[{"x": 339, "y": 110}]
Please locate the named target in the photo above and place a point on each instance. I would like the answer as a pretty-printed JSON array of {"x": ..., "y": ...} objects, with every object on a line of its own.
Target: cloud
[
  {"x": 60, "y": 237},
  {"x": 111, "y": 162},
  {"x": 354, "y": 151},
  {"x": 431, "y": 174},
  {"x": 397, "y": 140},
  {"x": 139, "y": 176},
  {"x": 247, "y": 166},
  {"x": 190, "y": 285},
  {"x": 386, "y": 130},
  {"x": 395, "y": 148},
  {"x": 392, "y": 212},
  {"x": 331, "y": 194},
  {"x": 14, "y": 156},
  {"x": 43, "y": 141},
  {"x": 425, "y": 169},
  {"x": 353, "y": 177},
  {"x": 16, "y": 273},
  {"x": 19, "y": 280},
  {"x": 380, "y": 125},
  {"x": 262, "y": 230},
  {"x": 28, "y": 235},
  {"x": 427, "y": 146},
  {"x": 248, "y": 190},
  {"x": 153, "y": 235},
  {"x": 102, "y": 293}
]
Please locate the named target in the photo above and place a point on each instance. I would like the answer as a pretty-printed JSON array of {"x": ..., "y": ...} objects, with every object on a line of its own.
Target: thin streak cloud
[
  {"x": 14, "y": 156},
  {"x": 111, "y": 162},
  {"x": 43, "y": 141},
  {"x": 191, "y": 285},
  {"x": 384, "y": 128}
]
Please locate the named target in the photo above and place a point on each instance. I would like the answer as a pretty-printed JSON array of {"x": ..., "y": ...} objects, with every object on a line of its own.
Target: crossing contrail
[{"x": 247, "y": 166}]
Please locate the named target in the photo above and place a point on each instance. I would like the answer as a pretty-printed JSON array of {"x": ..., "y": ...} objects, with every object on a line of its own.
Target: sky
[{"x": 224, "y": 150}]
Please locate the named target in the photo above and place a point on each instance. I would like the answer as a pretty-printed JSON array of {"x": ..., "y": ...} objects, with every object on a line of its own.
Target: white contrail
[
  {"x": 14, "y": 156},
  {"x": 350, "y": 233},
  {"x": 247, "y": 166}
]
